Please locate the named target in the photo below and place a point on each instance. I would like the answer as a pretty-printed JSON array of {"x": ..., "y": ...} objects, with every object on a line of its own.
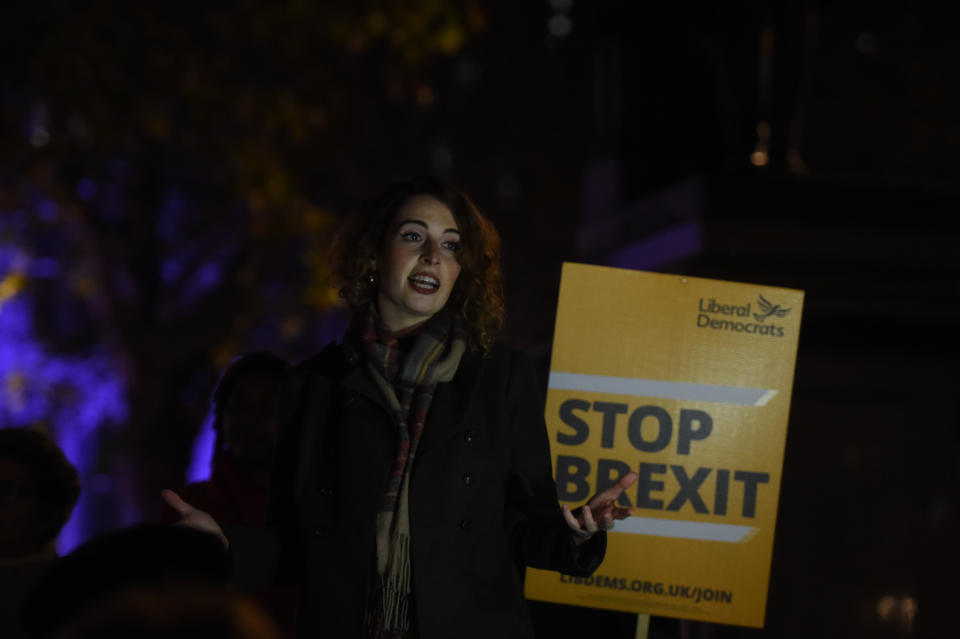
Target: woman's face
[{"x": 418, "y": 262}]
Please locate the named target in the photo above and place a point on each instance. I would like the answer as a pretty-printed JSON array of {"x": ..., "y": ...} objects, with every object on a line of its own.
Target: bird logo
[{"x": 769, "y": 309}]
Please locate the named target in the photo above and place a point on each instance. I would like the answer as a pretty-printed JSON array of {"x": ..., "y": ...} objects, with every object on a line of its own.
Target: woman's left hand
[{"x": 600, "y": 512}]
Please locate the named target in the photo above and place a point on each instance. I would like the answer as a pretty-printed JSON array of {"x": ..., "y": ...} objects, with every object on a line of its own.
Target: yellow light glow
[
  {"x": 11, "y": 285},
  {"x": 291, "y": 328},
  {"x": 908, "y": 610},
  {"x": 885, "y": 606},
  {"x": 15, "y": 390}
]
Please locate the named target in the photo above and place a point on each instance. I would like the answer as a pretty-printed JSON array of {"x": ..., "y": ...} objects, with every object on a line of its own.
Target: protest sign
[{"x": 686, "y": 381}]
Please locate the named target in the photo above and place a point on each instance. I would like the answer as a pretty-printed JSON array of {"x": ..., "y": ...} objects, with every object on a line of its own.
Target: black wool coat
[{"x": 482, "y": 499}]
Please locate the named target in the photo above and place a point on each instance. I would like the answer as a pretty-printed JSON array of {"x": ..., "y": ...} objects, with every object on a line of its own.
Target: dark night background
[{"x": 171, "y": 173}]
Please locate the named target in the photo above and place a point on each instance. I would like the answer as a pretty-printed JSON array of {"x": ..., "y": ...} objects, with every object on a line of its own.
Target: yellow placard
[{"x": 686, "y": 381}]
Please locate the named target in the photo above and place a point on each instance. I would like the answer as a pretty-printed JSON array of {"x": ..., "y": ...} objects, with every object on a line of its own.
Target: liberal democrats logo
[
  {"x": 769, "y": 309},
  {"x": 710, "y": 310}
]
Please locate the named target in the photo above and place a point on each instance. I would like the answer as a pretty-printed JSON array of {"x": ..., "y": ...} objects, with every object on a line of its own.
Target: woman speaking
[{"x": 412, "y": 480}]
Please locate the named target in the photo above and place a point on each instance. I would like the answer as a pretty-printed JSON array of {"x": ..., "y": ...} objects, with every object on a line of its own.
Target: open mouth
[{"x": 424, "y": 283}]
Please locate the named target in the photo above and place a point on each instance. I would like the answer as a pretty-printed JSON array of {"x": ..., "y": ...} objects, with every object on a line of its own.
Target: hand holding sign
[
  {"x": 600, "y": 512},
  {"x": 194, "y": 517}
]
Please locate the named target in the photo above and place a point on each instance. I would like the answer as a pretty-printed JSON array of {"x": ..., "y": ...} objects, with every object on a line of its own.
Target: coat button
[
  {"x": 316, "y": 532},
  {"x": 465, "y": 523},
  {"x": 468, "y": 479},
  {"x": 326, "y": 491},
  {"x": 468, "y": 435}
]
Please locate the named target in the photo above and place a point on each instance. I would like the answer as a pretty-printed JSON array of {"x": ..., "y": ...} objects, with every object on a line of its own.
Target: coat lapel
[
  {"x": 357, "y": 381},
  {"x": 452, "y": 402}
]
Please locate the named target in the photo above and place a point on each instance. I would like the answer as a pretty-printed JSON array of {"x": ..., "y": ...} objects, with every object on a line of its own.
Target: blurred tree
[{"x": 168, "y": 179}]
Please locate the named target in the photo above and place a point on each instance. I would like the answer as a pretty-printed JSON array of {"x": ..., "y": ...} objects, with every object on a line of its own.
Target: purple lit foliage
[
  {"x": 70, "y": 396},
  {"x": 171, "y": 218}
]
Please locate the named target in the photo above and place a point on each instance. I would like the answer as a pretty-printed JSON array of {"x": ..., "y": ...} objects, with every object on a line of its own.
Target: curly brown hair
[{"x": 477, "y": 296}]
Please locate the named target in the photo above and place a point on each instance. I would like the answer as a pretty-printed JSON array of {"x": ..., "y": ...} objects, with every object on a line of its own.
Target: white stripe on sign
[
  {"x": 661, "y": 389},
  {"x": 684, "y": 529}
]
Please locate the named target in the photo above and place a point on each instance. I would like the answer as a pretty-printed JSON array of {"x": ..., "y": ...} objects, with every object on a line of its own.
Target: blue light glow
[
  {"x": 170, "y": 270},
  {"x": 44, "y": 267},
  {"x": 47, "y": 210},
  {"x": 86, "y": 189},
  {"x": 201, "y": 457},
  {"x": 71, "y": 396},
  {"x": 201, "y": 281}
]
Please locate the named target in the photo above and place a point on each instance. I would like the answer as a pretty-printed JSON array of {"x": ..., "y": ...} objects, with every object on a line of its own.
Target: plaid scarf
[{"x": 407, "y": 386}]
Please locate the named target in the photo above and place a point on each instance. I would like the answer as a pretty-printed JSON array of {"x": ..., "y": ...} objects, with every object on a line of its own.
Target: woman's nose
[{"x": 430, "y": 253}]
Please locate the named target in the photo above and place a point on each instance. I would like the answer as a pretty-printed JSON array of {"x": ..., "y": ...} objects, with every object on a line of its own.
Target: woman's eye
[
  {"x": 410, "y": 236},
  {"x": 451, "y": 245}
]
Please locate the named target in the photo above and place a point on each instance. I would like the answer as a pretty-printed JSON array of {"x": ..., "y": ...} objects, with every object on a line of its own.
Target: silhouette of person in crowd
[
  {"x": 245, "y": 424},
  {"x": 140, "y": 557},
  {"x": 189, "y": 612},
  {"x": 38, "y": 490}
]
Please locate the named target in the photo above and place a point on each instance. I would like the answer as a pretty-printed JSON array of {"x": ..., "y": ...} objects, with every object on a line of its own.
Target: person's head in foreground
[
  {"x": 182, "y": 612},
  {"x": 38, "y": 490}
]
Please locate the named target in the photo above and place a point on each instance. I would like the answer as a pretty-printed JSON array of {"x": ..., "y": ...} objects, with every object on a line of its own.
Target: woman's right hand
[{"x": 194, "y": 517}]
